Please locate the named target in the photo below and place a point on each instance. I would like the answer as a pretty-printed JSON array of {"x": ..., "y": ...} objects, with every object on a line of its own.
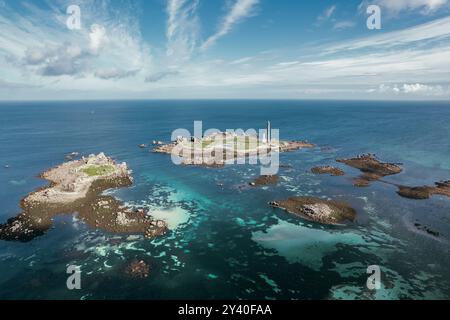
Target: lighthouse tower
[{"x": 269, "y": 133}]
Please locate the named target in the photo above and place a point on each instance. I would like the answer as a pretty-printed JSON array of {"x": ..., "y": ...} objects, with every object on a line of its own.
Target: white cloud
[
  {"x": 326, "y": 15},
  {"x": 435, "y": 30},
  {"x": 182, "y": 28},
  {"x": 242, "y": 60},
  {"x": 422, "y": 88},
  {"x": 40, "y": 45},
  {"x": 288, "y": 63},
  {"x": 238, "y": 12},
  {"x": 160, "y": 76},
  {"x": 397, "y": 6},
  {"x": 410, "y": 63},
  {"x": 412, "y": 89},
  {"x": 97, "y": 37},
  {"x": 341, "y": 25},
  {"x": 114, "y": 73},
  {"x": 329, "y": 15}
]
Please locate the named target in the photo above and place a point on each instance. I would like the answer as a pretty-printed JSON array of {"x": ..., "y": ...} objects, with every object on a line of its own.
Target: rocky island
[
  {"x": 217, "y": 149},
  {"x": 77, "y": 186},
  {"x": 317, "y": 210},
  {"x": 425, "y": 192},
  {"x": 264, "y": 181},
  {"x": 328, "y": 170},
  {"x": 372, "y": 169}
]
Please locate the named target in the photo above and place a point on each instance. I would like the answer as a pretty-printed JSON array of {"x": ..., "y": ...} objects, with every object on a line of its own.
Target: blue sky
[{"x": 264, "y": 49}]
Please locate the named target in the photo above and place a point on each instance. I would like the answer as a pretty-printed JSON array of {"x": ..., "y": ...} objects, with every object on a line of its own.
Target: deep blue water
[{"x": 226, "y": 242}]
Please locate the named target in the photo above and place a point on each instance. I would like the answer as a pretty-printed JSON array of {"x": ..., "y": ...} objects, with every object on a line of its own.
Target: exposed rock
[
  {"x": 264, "y": 181},
  {"x": 138, "y": 269},
  {"x": 425, "y": 192},
  {"x": 315, "y": 209},
  {"x": 328, "y": 170},
  {"x": 418, "y": 193},
  {"x": 372, "y": 168}
]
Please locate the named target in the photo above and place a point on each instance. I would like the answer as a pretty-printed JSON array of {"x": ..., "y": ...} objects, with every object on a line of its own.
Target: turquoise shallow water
[{"x": 225, "y": 242}]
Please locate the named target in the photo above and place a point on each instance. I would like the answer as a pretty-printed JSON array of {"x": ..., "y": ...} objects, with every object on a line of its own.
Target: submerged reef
[
  {"x": 317, "y": 210},
  {"x": 77, "y": 186},
  {"x": 137, "y": 269}
]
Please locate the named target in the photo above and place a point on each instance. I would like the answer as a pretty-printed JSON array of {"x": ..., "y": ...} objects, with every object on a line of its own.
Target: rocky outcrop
[
  {"x": 264, "y": 181},
  {"x": 317, "y": 210},
  {"x": 77, "y": 186},
  {"x": 372, "y": 168},
  {"x": 425, "y": 192},
  {"x": 138, "y": 269},
  {"x": 328, "y": 170}
]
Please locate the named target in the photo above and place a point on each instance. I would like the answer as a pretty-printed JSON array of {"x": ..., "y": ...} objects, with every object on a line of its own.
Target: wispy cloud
[
  {"x": 160, "y": 76},
  {"x": 435, "y": 30},
  {"x": 329, "y": 16},
  {"x": 115, "y": 73},
  {"x": 109, "y": 45},
  {"x": 182, "y": 28},
  {"x": 242, "y": 60},
  {"x": 39, "y": 56},
  {"x": 398, "y": 6},
  {"x": 326, "y": 15},
  {"x": 346, "y": 24},
  {"x": 240, "y": 10},
  {"x": 288, "y": 63}
]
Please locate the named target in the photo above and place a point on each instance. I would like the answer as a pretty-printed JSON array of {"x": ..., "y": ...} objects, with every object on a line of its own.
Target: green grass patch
[{"x": 98, "y": 170}]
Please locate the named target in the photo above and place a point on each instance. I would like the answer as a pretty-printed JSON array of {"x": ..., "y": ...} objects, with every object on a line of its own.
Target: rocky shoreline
[
  {"x": 317, "y": 210},
  {"x": 77, "y": 186}
]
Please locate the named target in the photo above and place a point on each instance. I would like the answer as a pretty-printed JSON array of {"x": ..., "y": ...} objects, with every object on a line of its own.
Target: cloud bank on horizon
[{"x": 224, "y": 49}]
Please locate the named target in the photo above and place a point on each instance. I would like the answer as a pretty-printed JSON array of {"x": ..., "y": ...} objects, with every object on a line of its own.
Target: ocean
[{"x": 225, "y": 242}]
